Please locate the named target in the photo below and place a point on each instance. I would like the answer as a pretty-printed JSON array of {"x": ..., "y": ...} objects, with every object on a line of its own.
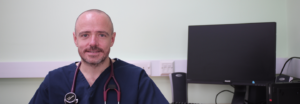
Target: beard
[{"x": 93, "y": 62}]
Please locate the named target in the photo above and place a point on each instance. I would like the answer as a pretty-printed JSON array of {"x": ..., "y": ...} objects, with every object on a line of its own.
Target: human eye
[
  {"x": 84, "y": 35},
  {"x": 102, "y": 35}
]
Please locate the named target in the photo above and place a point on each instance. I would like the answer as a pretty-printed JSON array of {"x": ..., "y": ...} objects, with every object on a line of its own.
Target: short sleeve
[
  {"x": 41, "y": 96},
  {"x": 149, "y": 93}
]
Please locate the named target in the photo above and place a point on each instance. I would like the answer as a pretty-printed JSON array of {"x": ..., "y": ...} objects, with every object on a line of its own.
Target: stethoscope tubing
[
  {"x": 74, "y": 79},
  {"x": 111, "y": 76}
]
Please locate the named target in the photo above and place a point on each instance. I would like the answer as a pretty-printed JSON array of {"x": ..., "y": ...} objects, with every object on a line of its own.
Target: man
[{"x": 94, "y": 35}]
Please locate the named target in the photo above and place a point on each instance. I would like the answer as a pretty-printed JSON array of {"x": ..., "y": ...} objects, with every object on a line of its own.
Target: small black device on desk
[
  {"x": 179, "y": 88},
  {"x": 283, "y": 93}
]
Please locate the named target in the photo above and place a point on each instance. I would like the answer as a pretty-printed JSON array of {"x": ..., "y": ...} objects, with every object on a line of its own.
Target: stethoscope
[{"x": 71, "y": 96}]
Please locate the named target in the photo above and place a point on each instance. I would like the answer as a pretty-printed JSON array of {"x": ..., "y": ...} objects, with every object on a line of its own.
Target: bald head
[{"x": 94, "y": 13}]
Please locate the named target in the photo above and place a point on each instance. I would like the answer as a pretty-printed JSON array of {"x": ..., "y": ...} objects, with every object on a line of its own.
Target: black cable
[
  {"x": 260, "y": 102},
  {"x": 221, "y": 92},
  {"x": 287, "y": 62}
]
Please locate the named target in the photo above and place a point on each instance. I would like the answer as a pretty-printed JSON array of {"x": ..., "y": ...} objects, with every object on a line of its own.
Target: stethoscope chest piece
[{"x": 71, "y": 98}]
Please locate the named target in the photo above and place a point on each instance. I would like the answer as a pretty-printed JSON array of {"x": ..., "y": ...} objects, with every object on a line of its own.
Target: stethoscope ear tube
[{"x": 108, "y": 87}]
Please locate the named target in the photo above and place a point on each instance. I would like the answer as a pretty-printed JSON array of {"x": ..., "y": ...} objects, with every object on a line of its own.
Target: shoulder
[
  {"x": 129, "y": 72},
  {"x": 61, "y": 74},
  {"x": 55, "y": 85},
  {"x": 135, "y": 79},
  {"x": 64, "y": 70},
  {"x": 127, "y": 68}
]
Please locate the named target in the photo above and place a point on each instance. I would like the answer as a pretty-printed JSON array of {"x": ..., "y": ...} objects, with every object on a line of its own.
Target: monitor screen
[{"x": 236, "y": 54}]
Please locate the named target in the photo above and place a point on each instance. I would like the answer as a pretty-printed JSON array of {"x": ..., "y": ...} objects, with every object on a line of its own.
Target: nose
[{"x": 94, "y": 40}]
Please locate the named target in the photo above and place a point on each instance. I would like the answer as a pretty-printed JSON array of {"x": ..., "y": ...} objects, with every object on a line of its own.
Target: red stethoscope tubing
[
  {"x": 112, "y": 76},
  {"x": 74, "y": 79}
]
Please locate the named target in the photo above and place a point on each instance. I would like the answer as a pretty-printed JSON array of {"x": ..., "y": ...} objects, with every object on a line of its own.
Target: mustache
[{"x": 94, "y": 48}]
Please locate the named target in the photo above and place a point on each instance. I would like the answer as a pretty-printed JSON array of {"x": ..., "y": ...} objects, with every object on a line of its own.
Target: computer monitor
[{"x": 236, "y": 54}]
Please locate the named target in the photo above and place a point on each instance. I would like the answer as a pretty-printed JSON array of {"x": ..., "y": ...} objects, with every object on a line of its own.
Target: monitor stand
[
  {"x": 257, "y": 94},
  {"x": 253, "y": 94},
  {"x": 239, "y": 94}
]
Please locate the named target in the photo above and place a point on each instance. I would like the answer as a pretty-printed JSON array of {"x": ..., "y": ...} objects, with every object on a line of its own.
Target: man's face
[{"x": 93, "y": 36}]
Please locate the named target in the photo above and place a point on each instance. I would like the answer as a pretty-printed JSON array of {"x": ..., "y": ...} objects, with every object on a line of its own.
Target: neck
[
  {"x": 92, "y": 72},
  {"x": 94, "y": 69}
]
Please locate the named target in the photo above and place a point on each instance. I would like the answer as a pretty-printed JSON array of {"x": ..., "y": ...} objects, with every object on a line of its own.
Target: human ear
[
  {"x": 113, "y": 37},
  {"x": 75, "y": 39}
]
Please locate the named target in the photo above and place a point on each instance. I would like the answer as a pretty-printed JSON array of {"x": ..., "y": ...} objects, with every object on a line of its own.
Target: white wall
[
  {"x": 17, "y": 90},
  {"x": 35, "y": 30},
  {"x": 293, "y": 17}
]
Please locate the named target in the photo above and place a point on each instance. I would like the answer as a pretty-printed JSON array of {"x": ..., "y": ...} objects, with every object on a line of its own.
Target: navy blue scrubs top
[{"x": 135, "y": 85}]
